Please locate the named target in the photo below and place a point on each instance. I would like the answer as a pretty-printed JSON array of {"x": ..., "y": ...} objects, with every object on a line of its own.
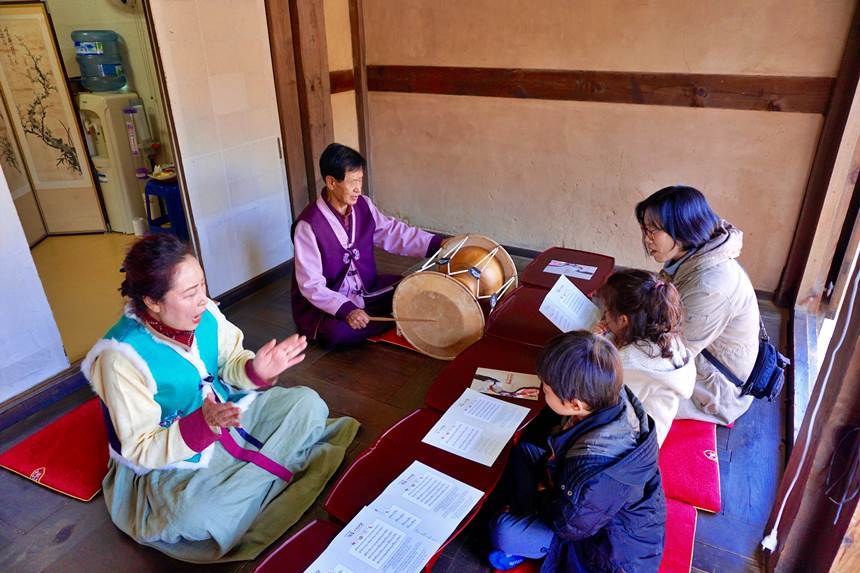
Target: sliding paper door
[{"x": 44, "y": 120}]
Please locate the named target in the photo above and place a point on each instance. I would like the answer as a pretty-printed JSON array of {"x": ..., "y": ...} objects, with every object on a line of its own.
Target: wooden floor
[{"x": 377, "y": 384}]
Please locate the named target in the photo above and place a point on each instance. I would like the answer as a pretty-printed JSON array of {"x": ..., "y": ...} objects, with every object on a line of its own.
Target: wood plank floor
[{"x": 378, "y": 384}]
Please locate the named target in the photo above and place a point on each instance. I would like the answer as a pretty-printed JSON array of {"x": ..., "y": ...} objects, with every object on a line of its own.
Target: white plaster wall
[
  {"x": 338, "y": 36},
  {"x": 535, "y": 174},
  {"x": 338, "y": 41},
  {"x": 30, "y": 345},
  {"x": 768, "y": 37},
  {"x": 220, "y": 83},
  {"x": 345, "y": 118}
]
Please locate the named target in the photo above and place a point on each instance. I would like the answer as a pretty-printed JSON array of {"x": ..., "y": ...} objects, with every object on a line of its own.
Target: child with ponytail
[{"x": 643, "y": 316}]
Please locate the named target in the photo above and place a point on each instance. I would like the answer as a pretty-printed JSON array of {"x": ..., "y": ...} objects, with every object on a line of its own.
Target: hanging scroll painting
[
  {"x": 15, "y": 173},
  {"x": 44, "y": 119}
]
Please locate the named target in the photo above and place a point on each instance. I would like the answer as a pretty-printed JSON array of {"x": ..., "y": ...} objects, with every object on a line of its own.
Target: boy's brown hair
[{"x": 583, "y": 366}]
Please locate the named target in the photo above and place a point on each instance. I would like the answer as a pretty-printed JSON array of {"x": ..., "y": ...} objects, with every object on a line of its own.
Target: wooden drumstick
[{"x": 398, "y": 319}]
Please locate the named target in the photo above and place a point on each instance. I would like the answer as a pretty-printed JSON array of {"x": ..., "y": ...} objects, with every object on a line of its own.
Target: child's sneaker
[{"x": 502, "y": 561}]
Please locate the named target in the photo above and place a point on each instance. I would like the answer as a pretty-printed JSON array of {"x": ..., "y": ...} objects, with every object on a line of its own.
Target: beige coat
[
  {"x": 720, "y": 314},
  {"x": 661, "y": 384}
]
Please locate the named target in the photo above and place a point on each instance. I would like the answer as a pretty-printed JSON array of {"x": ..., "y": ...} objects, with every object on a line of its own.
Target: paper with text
[
  {"x": 476, "y": 427},
  {"x": 370, "y": 543},
  {"x": 567, "y": 308},
  {"x": 573, "y": 270},
  {"x": 403, "y": 527},
  {"x": 431, "y": 503}
]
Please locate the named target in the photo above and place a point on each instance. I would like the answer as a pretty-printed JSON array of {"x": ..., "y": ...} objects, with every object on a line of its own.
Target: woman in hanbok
[{"x": 208, "y": 461}]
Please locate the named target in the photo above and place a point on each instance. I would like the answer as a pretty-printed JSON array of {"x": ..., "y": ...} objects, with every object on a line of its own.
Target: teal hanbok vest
[{"x": 178, "y": 376}]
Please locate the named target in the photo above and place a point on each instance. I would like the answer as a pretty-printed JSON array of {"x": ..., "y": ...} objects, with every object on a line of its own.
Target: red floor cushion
[
  {"x": 297, "y": 553},
  {"x": 391, "y": 337},
  {"x": 489, "y": 352},
  {"x": 534, "y": 274},
  {"x": 680, "y": 537},
  {"x": 518, "y": 318},
  {"x": 69, "y": 455},
  {"x": 689, "y": 466},
  {"x": 527, "y": 566}
]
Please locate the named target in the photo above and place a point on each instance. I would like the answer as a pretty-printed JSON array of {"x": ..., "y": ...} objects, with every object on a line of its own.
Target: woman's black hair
[
  {"x": 683, "y": 213},
  {"x": 149, "y": 266},
  {"x": 337, "y": 159}
]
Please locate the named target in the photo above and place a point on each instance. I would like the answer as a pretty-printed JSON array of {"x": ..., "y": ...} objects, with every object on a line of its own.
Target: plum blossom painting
[
  {"x": 15, "y": 173},
  {"x": 41, "y": 113}
]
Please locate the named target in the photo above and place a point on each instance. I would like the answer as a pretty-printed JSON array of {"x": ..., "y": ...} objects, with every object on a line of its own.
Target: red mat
[
  {"x": 678, "y": 550},
  {"x": 518, "y": 318},
  {"x": 534, "y": 274},
  {"x": 489, "y": 352},
  {"x": 391, "y": 337},
  {"x": 297, "y": 553},
  {"x": 392, "y": 453},
  {"x": 680, "y": 537},
  {"x": 69, "y": 456},
  {"x": 689, "y": 465}
]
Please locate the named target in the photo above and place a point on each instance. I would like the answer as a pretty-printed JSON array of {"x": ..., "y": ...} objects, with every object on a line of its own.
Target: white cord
[{"x": 770, "y": 541}]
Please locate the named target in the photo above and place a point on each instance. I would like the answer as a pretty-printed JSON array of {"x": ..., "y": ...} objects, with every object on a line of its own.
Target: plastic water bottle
[{"x": 100, "y": 60}]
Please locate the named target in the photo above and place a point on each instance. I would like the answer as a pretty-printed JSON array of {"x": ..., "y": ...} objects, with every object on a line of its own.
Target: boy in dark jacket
[{"x": 589, "y": 497}]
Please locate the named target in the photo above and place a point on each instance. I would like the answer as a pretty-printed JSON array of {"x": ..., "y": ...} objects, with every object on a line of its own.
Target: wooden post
[
  {"x": 847, "y": 251},
  {"x": 359, "y": 63},
  {"x": 308, "y": 27},
  {"x": 810, "y": 529},
  {"x": 839, "y": 190},
  {"x": 817, "y": 188},
  {"x": 286, "y": 90},
  {"x": 848, "y": 558}
]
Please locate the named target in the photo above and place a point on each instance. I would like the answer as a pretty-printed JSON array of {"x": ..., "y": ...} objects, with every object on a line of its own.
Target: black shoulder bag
[{"x": 768, "y": 374}]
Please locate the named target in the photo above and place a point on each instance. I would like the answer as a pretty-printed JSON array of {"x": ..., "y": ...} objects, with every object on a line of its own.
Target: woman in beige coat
[{"x": 699, "y": 254}]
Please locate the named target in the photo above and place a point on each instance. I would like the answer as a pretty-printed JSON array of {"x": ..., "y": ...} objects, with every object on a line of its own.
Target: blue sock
[{"x": 502, "y": 561}]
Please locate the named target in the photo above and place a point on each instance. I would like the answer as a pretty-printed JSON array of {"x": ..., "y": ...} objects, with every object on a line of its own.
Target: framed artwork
[
  {"x": 42, "y": 116},
  {"x": 15, "y": 172}
]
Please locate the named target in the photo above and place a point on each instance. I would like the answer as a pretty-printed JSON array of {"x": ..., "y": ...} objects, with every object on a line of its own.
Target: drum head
[{"x": 460, "y": 321}]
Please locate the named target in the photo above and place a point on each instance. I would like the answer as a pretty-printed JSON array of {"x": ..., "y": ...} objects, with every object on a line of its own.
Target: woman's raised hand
[
  {"x": 272, "y": 358},
  {"x": 224, "y": 415}
]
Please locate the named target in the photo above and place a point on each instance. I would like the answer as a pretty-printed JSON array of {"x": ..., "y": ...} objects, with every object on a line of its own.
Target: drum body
[
  {"x": 492, "y": 276},
  {"x": 464, "y": 286}
]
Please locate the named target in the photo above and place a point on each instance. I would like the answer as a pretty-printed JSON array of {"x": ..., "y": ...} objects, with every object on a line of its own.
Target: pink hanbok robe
[{"x": 335, "y": 270}]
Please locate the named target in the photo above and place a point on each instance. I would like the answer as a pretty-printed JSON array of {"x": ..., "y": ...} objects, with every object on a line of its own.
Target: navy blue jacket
[{"x": 607, "y": 504}]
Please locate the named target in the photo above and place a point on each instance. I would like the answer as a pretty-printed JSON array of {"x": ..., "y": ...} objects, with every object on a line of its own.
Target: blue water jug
[{"x": 100, "y": 60}]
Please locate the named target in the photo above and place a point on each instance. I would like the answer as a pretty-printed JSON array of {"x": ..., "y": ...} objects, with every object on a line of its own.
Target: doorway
[{"x": 83, "y": 127}]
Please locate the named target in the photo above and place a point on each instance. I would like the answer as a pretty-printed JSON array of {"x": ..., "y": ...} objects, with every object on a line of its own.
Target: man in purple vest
[{"x": 335, "y": 285}]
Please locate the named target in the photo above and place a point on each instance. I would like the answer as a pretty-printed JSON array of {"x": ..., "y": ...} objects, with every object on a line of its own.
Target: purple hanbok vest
[{"x": 335, "y": 260}]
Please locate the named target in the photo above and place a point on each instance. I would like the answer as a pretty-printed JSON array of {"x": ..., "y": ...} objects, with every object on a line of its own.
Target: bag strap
[
  {"x": 762, "y": 331},
  {"x": 762, "y": 336},
  {"x": 722, "y": 368}
]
